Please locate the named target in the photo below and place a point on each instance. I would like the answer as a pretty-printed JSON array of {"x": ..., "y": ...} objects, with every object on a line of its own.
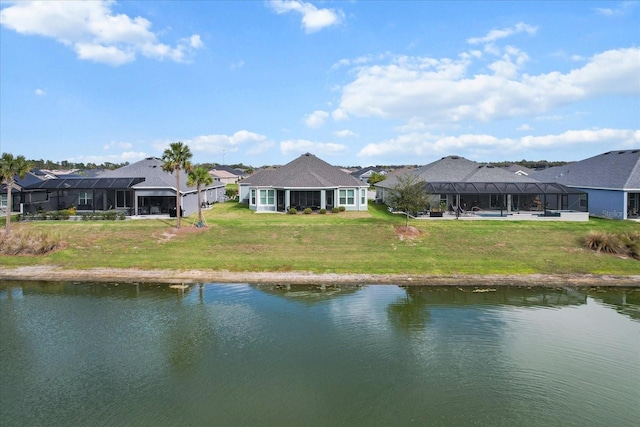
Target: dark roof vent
[
  {"x": 608, "y": 152},
  {"x": 621, "y": 152},
  {"x": 635, "y": 151},
  {"x": 455, "y": 157}
]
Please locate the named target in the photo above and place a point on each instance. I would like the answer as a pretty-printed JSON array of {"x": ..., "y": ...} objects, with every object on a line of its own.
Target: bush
[
  {"x": 323, "y": 211},
  {"x": 292, "y": 211},
  {"x": 342, "y": 208},
  {"x": 307, "y": 211},
  {"x": 335, "y": 210},
  {"x": 29, "y": 243},
  {"x": 625, "y": 244}
]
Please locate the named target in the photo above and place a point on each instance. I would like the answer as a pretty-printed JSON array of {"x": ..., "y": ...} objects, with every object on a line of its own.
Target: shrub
[
  {"x": 342, "y": 208},
  {"x": 335, "y": 210},
  {"x": 29, "y": 243},
  {"x": 625, "y": 244},
  {"x": 293, "y": 211},
  {"x": 307, "y": 211},
  {"x": 323, "y": 211}
]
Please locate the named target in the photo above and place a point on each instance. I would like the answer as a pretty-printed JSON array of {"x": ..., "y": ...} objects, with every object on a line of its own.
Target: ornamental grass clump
[
  {"x": 29, "y": 243},
  {"x": 307, "y": 211},
  {"x": 617, "y": 244}
]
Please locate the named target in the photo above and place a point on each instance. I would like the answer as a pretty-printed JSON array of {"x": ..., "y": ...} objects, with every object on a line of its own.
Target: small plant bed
[{"x": 69, "y": 214}]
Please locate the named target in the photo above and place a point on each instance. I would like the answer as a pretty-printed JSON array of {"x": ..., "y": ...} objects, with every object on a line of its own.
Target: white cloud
[
  {"x": 425, "y": 144},
  {"x": 495, "y": 35},
  {"x": 127, "y": 156},
  {"x": 446, "y": 91},
  {"x": 339, "y": 115},
  {"x": 218, "y": 143},
  {"x": 524, "y": 127},
  {"x": 345, "y": 133},
  {"x": 118, "y": 146},
  {"x": 40, "y": 92},
  {"x": 237, "y": 65},
  {"x": 622, "y": 9},
  {"x": 316, "y": 119},
  {"x": 313, "y": 19},
  {"x": 94, "y": 31},
  {"x": 300, "y": 146}
]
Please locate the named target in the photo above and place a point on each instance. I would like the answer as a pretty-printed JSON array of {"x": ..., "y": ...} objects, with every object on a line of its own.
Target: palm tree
[
  {"x": 199, "y": 176},
  {"x": 176, "y": 158},
  {"x": 10, "y": 167}
]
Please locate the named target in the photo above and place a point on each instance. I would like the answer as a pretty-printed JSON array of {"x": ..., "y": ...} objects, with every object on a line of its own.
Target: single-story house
[
  {"x": 141, "y": 188},
  {"x": 32, "y": 177},
  {"x": 454, "y": 181},
  {"x": 306, "y": 182},
  {"x": 224, "y": 176},
  {"x": 611, "y": 179},
  {"x": 365, "y": 173}
]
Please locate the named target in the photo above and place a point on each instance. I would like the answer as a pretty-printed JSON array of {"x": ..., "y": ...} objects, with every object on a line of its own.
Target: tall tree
[
  {"x": 199, "y": 176},
  {"x": 176, "y": 158},
  {"x": 409, "y": 195},
  {"x": 10, "y": 167}
]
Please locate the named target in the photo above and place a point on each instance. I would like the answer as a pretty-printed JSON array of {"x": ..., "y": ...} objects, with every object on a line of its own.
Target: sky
[{"x": 354, "y": 82}]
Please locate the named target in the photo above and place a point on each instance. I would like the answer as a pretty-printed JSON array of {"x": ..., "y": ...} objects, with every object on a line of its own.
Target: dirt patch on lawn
[{"x": 407, "y": 232}]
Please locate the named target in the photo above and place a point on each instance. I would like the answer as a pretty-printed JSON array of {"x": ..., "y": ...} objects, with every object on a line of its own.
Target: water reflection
[{"x": 149, "y": 354}]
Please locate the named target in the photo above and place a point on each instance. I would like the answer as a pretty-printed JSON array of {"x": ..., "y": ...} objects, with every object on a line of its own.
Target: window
[
  {"x": 267, "y": 197},
  {"x": 123, "y": 199},
  {"x": 85, "y": 198},
  {"x": 253, "y": 197},
  {"x": 3, "y": 200},
  {"x": 347, "y": 197},
  {"x": 363, "y": 197},
  {"x": 583, "y": 200}
]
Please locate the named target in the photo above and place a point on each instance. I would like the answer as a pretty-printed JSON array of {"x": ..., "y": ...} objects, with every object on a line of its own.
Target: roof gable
[
  {"x": 611, "y": 170},
  {"x": 307, "y": 171}
]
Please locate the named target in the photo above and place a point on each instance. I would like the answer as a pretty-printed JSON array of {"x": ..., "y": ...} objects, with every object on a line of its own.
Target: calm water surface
[{"x": 82, "y": 354}]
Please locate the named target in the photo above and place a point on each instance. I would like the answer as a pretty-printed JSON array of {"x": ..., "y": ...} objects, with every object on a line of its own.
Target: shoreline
[{"x": 57, "y": 274}]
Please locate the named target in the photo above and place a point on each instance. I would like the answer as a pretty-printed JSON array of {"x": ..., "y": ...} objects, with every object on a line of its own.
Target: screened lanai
[
  {"x": 507, "y": 196},
  {"x": 88, "y": 194}
]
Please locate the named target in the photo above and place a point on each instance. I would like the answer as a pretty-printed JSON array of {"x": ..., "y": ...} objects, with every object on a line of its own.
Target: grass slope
[{"x": 238, "y": 239}]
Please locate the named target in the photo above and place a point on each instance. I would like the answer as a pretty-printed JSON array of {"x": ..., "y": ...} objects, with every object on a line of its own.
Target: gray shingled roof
[
  {"x": 613, "y": 170},
  {"x": 307, "y": 171},
  {"x": 155, "y": 177},
  {"x": 459, "y": 169}
]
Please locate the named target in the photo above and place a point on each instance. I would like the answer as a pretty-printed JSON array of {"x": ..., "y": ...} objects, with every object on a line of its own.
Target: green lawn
[{"x": 238, "y": 239}]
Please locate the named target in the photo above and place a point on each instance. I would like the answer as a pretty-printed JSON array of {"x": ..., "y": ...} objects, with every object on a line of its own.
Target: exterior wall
[
  {"x": 609, "y": 204},
  {"x": 354, "y": 198},
  {"x": 243, "y": 193}
]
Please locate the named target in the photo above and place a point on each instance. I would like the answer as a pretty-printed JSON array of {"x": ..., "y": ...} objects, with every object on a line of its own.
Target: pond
[{"x": 226, "y": 355}]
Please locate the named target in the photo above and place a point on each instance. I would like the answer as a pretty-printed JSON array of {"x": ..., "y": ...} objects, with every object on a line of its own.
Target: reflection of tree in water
[
  {"x": 189, "y": 330},
  {"x": 409, "y": 313},
  {"x": 625, "y": 301}
]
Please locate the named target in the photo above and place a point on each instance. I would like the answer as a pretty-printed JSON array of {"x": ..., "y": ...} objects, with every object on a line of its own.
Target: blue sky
[{"x": 353, "y": 82}]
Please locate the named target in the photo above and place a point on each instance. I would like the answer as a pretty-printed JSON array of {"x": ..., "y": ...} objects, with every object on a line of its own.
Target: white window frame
[
  {"x": 347, "y": 197},
  {"x": 267, "y": 197},
  {"x": 363, "y": 197},
  {"x": 85, "y": 198},
  {"x": 253, "y": 197},
  {"x": 3, "y": 200}
]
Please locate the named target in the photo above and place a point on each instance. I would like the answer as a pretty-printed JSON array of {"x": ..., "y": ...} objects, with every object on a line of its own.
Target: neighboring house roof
[
  {"x": 29, "y": 179},
  {"x": 519, "y": 170},
  {"x": 154, "y": 176},
  {"x": 221, "y": 173},
  {"x": 613, "y": 170},
  {"x": 460, "y": 170},
  {"x": 367, "y": 171},
  {"x": 230, "y": 170},
  {"x": 307, "y": 171}
]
